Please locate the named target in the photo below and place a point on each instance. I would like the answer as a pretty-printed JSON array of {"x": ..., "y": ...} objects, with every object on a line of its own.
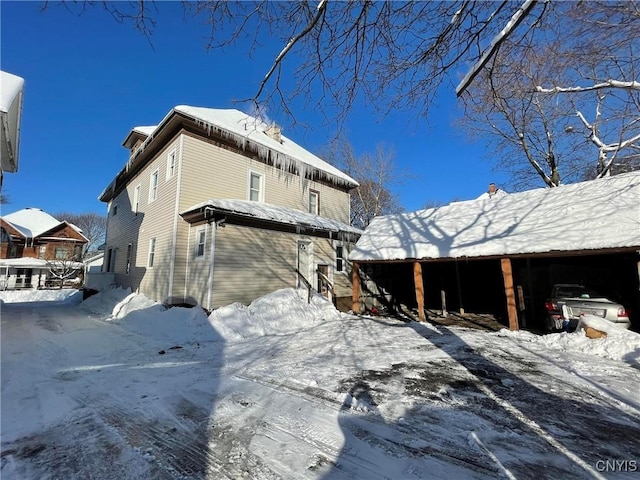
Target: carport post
[
  {"x": 509, "y": 293},
  {"x": 355, "y": 286},
  {"x": 417, "y": 280}
]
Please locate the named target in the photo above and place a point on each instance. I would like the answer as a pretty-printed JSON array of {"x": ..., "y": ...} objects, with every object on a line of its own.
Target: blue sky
[{"x": 90, "y": 79}]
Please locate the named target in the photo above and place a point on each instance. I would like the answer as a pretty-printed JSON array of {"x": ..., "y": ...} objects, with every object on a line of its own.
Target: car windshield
[{"x": 575, "y": 291}]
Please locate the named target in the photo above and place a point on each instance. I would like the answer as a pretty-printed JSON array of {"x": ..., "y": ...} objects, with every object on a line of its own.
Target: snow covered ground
[{"x": 117, "y": 387}]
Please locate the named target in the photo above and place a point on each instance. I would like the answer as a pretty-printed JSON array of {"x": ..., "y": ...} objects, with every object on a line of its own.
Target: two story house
[
  {"x": 36, "y": 247},
  {"x": 215, "y": 206}
]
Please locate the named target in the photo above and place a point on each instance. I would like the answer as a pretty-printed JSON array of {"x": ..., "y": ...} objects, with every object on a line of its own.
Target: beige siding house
[{"x": 215, "y": 206}]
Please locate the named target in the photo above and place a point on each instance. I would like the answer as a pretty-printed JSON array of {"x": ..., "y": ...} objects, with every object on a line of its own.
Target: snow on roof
[
  {"x": 597, "y": 214},
  {"x": 242, "y": 128},
  {"x": 11, "y": 88},
  {"x": 145, "y": 130},
  {"x": 275, "y": 213},
  {"x": 31, "y": 222}
]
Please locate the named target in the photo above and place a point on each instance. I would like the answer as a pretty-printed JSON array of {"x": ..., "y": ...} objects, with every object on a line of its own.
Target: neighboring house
[
  {"x": 502, "y": 253},
  {"x": 11, "y": 88},
  {"x": 215, "y": 206},
  {"x": 35, "y": 248}
]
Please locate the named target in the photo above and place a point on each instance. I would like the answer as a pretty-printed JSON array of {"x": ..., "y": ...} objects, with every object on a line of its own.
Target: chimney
[
  {"x": 492, "y": 189},
  {"x": 274, "y": 132}
]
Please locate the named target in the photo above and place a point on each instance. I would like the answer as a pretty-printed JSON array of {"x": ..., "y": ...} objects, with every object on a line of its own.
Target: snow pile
[
  {"x": 104, "y": 302},
  {"x": 619, "y": 344},
  {"x": 177, "y": 325},
  {"x": 65, "y": 295},
  {"x": 281, "y": 312}
]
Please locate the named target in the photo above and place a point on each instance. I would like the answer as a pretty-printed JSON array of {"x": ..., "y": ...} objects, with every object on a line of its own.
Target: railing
[
  {"x": 325, "y": 282},
  {"x": 306, "y": 284}
]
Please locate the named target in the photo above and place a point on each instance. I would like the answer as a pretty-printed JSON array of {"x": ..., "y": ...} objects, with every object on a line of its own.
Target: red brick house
[{"x": 34, "y": 247}]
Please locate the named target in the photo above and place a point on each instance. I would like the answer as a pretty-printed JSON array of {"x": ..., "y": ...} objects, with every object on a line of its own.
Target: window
[
  {"x": 129, "y": 250},
  {"x": 171, "y": 164},
  {"x": 13, "y": 250},
  {"x": 314, "y": 202},
  {"x": 339, "y": 258},
  {"x": 61, "y": 253},
  {"x": 152, "y": 252},
  {"x": 136, "y": 199},
  {"x": 255, "y": 187},
  {"x": 42, "y": 252},
  {"x": 77, "y": 253},
  {"x": 111, "y": 260},
  {"x": 201, "y": 236},
  {"x": 114, "y": 210},
  {"x": 153, "y": 186}
]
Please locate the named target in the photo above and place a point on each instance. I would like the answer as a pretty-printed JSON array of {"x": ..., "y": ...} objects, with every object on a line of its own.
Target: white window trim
[
  {"x": 199, "y": 230},
  {"x": 317, "y": 195},
  {"x": 344, "y": 259},
  {"x": 153, "y": 244},
  {"x": 261, "y": 192},
  {"x": 171, "y": 171},
  {"x": 136, "y": 198},
  {"x": 151, "y": 189}
]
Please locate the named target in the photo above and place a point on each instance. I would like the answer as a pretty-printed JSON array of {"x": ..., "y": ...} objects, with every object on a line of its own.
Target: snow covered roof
[
  {"x": 273, "y": 213},
  {"x": 34, "y": 222},
  {"x": 598, "y": 214},
  {"x": 11, "y": 88},
  {"x": 244, "y": 128},
  {"x": 31, "y": 222},
  {"x": 148, "y": 130}
]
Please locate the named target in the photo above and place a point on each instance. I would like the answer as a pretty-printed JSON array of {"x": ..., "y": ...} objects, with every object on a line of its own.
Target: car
[{"x": 569, "y": 300}]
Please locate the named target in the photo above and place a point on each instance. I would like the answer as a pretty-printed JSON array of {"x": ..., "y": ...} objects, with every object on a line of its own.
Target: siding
[
  {"x": 248, "y": 262},
  {"x": 153, "y": 219},
  {"x": 214, "y": 172}
]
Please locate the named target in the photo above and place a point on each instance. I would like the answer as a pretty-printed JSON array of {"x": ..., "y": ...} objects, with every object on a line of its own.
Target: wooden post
[
  {"x": 509, "y": 292},
  {"x": 355, "y": 286},
  {"x": 417, "y": 280},
  {"x": 443, "y": 299},
  {"x": 459, "y": 288}
]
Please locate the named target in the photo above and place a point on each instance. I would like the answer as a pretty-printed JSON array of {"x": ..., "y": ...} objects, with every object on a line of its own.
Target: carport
[{"x": 502, "y": 254}]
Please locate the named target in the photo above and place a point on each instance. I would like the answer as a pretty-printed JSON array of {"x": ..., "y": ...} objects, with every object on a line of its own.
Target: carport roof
[{"x": 587, "y": 216}]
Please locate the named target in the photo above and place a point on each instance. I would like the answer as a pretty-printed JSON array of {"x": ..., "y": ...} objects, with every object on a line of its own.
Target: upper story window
[
  {"x": 314, "y": 202},
  {"x": 339, "y": 258},
  {"x": 153, "y": 186},
  {"x": 171, "y": 164},
  {"x": 136, "y": 199},
  {"x": 61, "y": 253},
  {"x": 201, "y": 236},
  {"x": 114, "y": 210},
  {"x": 152, "y": 252},
  {"x": 256, "y": 187},
  {"x": 42, "y": 252}
]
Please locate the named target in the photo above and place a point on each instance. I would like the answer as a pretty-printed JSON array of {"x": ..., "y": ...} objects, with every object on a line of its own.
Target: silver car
[{"x": 569, "y": 300}]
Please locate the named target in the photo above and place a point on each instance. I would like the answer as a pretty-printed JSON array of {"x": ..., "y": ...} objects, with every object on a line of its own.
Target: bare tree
[
  {"x": 566, "y": 109},
  {"x": 93, "y": 226},
  {"x": 377, "y": 175},
  {"x": 395, "y": 56},
  {"x": 66, "y": 263}
]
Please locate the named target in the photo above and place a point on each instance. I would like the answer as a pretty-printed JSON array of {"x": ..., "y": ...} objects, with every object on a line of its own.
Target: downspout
[
  {"x": 174, "y": 240},
  {"x": 208, "y": 211},
  {"x": 186, "y": 267}
]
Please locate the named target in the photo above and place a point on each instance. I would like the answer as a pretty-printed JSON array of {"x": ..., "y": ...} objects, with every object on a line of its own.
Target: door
[{"x": 305, "y": 261}]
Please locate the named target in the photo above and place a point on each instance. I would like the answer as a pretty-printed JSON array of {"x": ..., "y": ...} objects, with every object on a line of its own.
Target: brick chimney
[{"x": 492, "y": 189}]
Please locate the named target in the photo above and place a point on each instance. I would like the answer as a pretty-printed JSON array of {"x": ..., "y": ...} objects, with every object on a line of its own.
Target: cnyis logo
[{"x": 617, "y": 466}]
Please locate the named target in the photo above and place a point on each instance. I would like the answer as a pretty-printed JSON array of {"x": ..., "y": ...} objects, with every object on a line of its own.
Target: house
[
  {"x": 36, "y": 249},
  {"x": 502, "y": 253},
  {"x": 215, "y": 206},
  {"x": 11, "y": 89}
]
